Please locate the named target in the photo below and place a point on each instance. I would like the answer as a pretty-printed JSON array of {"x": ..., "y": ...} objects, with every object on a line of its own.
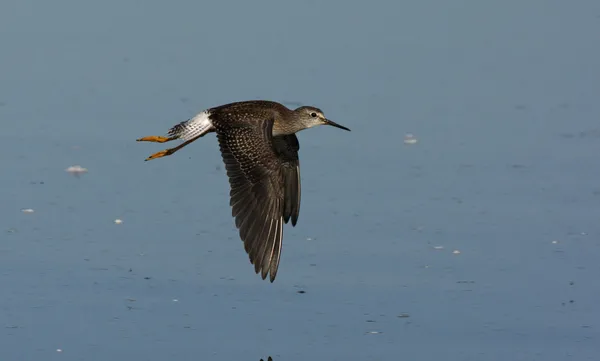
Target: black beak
[{"x": 334, "y": 124}]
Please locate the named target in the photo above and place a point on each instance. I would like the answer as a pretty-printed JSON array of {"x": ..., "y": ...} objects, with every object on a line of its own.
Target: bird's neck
[{"x": 289, "y": 126}]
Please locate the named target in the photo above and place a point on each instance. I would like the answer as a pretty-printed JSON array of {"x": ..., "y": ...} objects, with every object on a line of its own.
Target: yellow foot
[
  {"x": 155, "y": 139},
  {"x": 162, "y": 153}
]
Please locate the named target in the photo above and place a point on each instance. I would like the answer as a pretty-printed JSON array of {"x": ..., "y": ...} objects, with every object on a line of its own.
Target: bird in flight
[{"x": 260, "y": 150}]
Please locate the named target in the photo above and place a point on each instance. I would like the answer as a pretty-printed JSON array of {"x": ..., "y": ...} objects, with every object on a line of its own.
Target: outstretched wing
[{"x": 259, "y": 174}]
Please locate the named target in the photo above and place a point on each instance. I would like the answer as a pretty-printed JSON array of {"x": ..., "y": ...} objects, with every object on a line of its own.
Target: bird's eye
[{"x": 314, "y": 115}]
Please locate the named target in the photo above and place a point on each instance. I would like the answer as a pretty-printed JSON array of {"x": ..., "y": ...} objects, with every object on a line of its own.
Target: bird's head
[{"x": 311, "y": 117}]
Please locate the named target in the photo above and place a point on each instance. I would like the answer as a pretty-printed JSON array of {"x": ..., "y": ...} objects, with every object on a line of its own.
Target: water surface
[{"x": 479, "y": 242}]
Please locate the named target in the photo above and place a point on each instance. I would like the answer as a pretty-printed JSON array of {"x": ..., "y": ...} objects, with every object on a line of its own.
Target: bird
[{"x": 259, "y": 148}]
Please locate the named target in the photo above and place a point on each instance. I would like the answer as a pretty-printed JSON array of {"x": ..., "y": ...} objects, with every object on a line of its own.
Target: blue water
[{"x": 502, "y": 98}]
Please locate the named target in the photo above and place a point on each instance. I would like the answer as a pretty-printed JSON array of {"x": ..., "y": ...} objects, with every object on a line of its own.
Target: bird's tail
[
  {"x": 192, "y": 128},
  {"x": 188, "y": 131}
]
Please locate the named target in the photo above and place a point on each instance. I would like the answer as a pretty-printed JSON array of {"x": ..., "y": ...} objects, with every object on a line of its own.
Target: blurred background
[{"x": 457, "y": 221}]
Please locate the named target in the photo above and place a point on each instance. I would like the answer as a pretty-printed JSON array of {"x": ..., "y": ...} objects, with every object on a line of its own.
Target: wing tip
[{"x": 264, "y": 272}]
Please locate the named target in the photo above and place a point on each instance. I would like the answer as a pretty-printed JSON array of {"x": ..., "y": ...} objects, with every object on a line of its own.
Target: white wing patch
[{"x": 196, "y": 126}]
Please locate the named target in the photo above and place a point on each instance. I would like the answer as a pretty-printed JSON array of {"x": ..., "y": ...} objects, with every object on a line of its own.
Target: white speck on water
[
  {"x": 118, "y": 221},
  {"x": 27, "y": 210},
  {"x": 456, "y": 251},
  {"x": 554, "y": 242},
  {"x": 76, "y": 170},
  {"x": 374, "y": 332},
  {"x": 59, "y": 350},
  {"x": 438, "y": 247},
  {"x": 410, "y": 139},
  {"x": 175, "y": 300}
]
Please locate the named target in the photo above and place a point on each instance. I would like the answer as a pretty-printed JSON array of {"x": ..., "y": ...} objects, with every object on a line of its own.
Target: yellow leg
[
  {"x": 162, "y": 153},
  {"x": 156, "y": 139},
  {"x": 166, "y": 152}
]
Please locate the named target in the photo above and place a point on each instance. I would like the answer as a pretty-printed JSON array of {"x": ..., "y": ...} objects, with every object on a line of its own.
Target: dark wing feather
[
  {"x": 257, "y": 176},
  {"x": 287, "y": 146}
]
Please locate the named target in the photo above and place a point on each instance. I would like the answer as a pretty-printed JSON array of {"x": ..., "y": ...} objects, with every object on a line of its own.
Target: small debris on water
[
  {"x": 554, "y": 242},
  {"x": 59, "y": 350},
  {"x": 118, "y": 221},
  {"x": 301, "y": 291},
  {"x": 456, "y": 251},
  {"x": 27, "y": 210},
  {"x": 410, "y": 139},
  {"x": 175, "y": 300},
  {"x": 438, "y": 247},
  {"x": 76, "y": 170},
  {"x": 374, "y": 332},
  {"x": 403, "y": 315}
]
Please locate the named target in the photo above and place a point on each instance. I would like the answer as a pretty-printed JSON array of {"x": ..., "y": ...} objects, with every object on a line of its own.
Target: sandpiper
[{"x": 260, "y": 151}]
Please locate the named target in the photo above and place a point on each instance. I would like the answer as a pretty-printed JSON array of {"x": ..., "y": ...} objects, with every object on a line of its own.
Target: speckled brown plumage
[
  {"x": 263, "y": 173},
  {"x": 260, "y": 151}
]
